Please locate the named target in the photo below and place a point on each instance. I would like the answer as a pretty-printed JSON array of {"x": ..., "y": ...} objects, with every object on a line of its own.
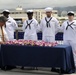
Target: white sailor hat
[
  {"x": 29, "y": 11},
  {"x": 70, "y": 13},
  {"x": 48, "y": 9},
  {"x": 7, "y": 11}
]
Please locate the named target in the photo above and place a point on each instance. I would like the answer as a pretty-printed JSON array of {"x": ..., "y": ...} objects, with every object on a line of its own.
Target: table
[{"x": 33, "y": 56}]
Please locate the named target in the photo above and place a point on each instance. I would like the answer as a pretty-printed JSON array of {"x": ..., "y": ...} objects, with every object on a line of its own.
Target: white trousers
[
  {"x": 72, "y": 43},
  {"x": 32, "y": 37},
  {"x": 48, "y": 39}
]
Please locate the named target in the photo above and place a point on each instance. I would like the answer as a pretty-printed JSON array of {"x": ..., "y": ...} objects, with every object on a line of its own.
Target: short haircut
[
  {"x": 70, "y": 14},
  {"x": 3, "y": 19}
]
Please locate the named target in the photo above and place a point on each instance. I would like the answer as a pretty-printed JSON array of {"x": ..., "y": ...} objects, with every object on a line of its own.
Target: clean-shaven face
[
  {"x": 48, "y": 14},
  {"x": 71, "y": 17}
]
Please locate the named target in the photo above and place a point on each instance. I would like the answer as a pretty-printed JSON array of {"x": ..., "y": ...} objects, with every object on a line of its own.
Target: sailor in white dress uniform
[
  {"x": 30, "y": 27},
  {"x": 11, "y": 25},
  {"x": 49, "y": 26},
  {"x": 69, "y": 30}
]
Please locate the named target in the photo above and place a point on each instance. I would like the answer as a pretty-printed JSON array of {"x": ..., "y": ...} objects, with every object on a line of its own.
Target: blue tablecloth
[{"x": 33, "y": 56}]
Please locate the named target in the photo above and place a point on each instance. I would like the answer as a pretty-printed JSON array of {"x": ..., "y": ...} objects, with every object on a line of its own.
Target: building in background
[{"x": 19, "y": 14}]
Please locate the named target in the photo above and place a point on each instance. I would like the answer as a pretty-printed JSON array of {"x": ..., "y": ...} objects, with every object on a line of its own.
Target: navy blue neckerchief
[
  {"x": 69, "y": 25},
  {"x": 28, "y": 24},
  {"x": 47, "y": 22}
]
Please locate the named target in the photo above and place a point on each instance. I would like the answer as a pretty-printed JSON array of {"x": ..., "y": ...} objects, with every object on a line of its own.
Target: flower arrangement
[{"x": 32, "y": 43}]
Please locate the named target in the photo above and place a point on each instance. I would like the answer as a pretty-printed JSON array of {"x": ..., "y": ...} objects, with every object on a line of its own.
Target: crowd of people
[{"x": 49, "y": 26}]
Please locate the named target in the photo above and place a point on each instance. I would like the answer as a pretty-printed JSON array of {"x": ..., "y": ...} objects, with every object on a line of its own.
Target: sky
[{"x": 36, "y": 3}]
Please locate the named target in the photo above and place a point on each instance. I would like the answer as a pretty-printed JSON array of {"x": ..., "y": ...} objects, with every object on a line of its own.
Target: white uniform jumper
[
  {"x": 69, "y": 29},
  {"x": 30, "y": 29},
  {"x": 11, "y": 25},
  {"x": 49, "y": 27}
]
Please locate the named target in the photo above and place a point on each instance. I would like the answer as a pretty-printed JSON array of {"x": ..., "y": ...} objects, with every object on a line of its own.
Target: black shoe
[
  {"x": 61, "y": 71},
  {"x": 30, "y": 68},
  {"x": 64, "y": 72},
  {"x": 55, "y": 70},
  {"x": 10, "y": 67},
  {"x": 22, "y": 68},
  {"x": 3, "y": 68}
]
